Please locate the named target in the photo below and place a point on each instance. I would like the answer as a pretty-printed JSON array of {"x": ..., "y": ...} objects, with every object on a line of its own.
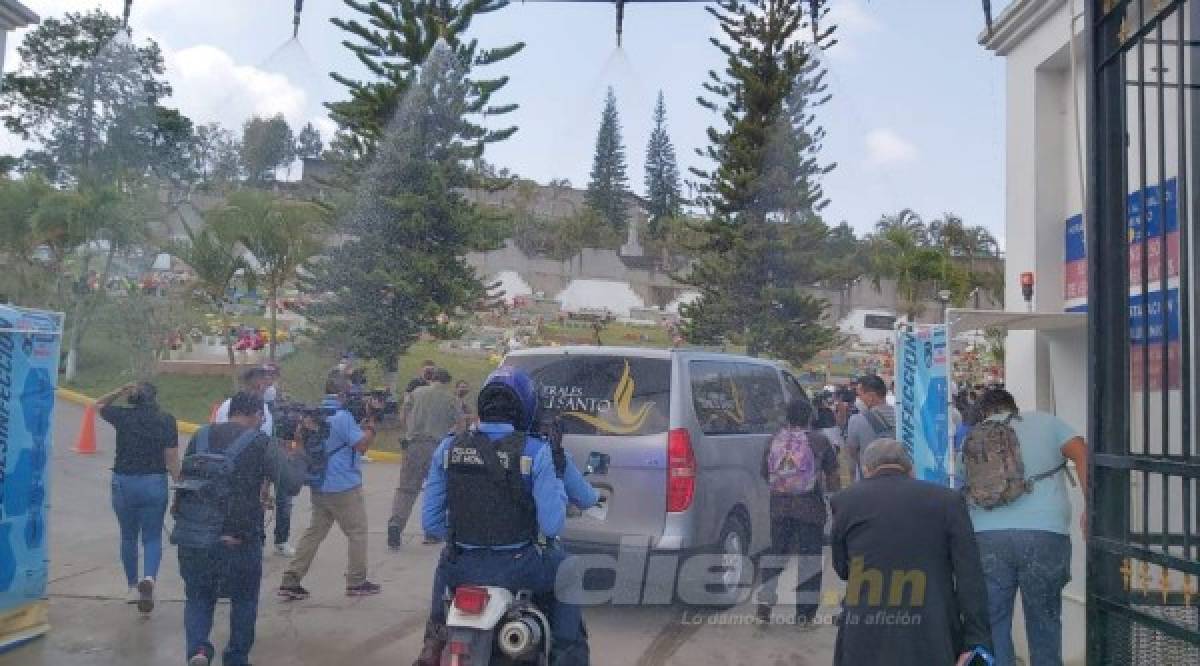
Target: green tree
[
  {"x": 267, "y": 145},
  {"x": 842, "y": 263},
  {"x": 282, "y": 235},
  {"x": 409, "y": 227},
  {"x": 395, "y": 40},
  {"x": 82, "y": 84},
  {"x": 663, "y": 190},
  {"x": 217, "y": 155},
  {"x": 308, "y": 142},
  {"x": 763, "y": 239},
  {"x": 608, "y": 189},
  {"x": 213, "y": 255},
  {"x": 25, "y": 280}
]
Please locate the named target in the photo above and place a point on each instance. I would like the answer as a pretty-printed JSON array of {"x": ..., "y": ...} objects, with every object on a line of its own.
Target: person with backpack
[
  {"x": 219, "y": 524},
  {"x": 147, "y": 449},
  {"x": 335, "y": 479},
  {"x": 1015, "y": 484},
  {"x": 876, "y": 419},
  {"x": 800, "y": 466}
]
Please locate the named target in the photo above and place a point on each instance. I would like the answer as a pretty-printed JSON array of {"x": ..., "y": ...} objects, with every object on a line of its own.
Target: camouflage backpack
[{"x": 995, "y": 473}]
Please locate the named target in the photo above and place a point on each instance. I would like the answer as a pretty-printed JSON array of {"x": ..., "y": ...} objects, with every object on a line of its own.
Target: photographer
[
  {"x": 147, "y": 447},
  {"x": 336, "y": 493}
]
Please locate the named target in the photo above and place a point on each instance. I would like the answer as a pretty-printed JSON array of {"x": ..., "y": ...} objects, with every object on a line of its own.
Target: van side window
[
  {"x": 792, "y": 388},
  {"x": 762, "y": 396},
  {"x": 717, "y": 397}
]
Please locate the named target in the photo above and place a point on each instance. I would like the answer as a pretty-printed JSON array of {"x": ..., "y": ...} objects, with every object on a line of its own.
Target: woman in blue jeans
[{"x": 147, "y": 447}]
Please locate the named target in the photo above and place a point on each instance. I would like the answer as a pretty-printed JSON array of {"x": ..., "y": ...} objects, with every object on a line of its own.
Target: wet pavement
[{"x": 92, "y": 626}]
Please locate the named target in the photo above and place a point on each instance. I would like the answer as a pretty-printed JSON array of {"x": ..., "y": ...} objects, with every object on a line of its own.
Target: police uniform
[{"x": 490, "y": 493}]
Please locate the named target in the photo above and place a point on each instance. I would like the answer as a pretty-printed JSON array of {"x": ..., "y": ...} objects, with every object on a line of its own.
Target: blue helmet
[{"x": 509, "y": 395}]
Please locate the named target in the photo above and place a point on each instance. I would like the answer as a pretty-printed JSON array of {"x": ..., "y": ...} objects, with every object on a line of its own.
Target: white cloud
[
  {"x": 210, "y": 86},
  {"x": 885, "y": 148}
]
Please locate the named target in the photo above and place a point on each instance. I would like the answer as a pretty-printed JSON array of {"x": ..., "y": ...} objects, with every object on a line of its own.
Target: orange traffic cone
[{"x": 87, "y": 432}]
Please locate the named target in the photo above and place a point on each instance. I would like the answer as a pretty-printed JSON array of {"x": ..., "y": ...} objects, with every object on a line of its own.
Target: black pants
[{"x": 802, "y": 542}]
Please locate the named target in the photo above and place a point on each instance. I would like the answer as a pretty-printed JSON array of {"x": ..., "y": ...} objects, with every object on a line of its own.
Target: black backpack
[{"x": 202, "y": 495}]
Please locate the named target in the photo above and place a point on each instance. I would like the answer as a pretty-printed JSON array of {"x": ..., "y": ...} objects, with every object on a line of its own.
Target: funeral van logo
[{"x": 620, "y": 418}]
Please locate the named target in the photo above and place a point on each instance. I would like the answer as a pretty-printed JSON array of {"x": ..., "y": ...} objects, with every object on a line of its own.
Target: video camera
[
  {"x": 290, "y": 415},
  {"x": 371, "y": 404}
]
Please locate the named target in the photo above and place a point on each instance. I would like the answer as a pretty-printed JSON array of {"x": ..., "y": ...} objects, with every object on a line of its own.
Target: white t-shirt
[{"x": 268, "y": 422}]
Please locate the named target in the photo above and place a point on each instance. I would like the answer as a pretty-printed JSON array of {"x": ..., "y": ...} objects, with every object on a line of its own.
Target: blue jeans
[
  {"x": 1039, "y": 564},
  {"x": 221, "y": 571},
  {"x": 522, "y": 569},
  {"x": 140, "y": 502},
  {"x": 283, "y": 516}
]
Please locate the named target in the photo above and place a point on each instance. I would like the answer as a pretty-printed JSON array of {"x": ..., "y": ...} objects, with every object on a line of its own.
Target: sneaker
[
  {"x": 284, "y": 550},
  {"x": 133, "y": 596},
  {"x": 764, "y": 614},
  {"x": 145, "y": 589},
  {"x": 199, "y": 659},
  {"x": 394, "y": 537},
  {"x": 363, "y": 589},
  {"x": 292, "y": 592}
]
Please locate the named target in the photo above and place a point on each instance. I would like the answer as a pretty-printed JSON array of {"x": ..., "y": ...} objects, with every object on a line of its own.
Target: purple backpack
[{"x": 791, "y": 465}]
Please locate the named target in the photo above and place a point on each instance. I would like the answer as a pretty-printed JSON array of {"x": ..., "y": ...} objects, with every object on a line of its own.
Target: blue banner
[
  {"x": 29, "y": 347},
  {"x": 922, "y": 399}
]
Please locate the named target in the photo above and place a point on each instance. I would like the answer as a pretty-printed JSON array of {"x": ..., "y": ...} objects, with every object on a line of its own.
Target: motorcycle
[{"x": 492, "y": 625}]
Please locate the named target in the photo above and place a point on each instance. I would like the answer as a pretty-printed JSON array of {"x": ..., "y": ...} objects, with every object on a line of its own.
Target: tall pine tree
[
  {"x": 763, "y": 238},
  {"x": 608, "y": 190},
  {"x": 406, "y": 140},
  {"x": 397, "y": 37},
  {"x": 662, "y": 172}
]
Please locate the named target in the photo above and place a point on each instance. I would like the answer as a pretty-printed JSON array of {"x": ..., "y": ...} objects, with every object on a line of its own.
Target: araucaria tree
[
  {"x": 405, "y": 141},
  {"x": 764, "y": 235},
  {"x": 608, "y": 189},
  {"x": 663, "y": 193}
]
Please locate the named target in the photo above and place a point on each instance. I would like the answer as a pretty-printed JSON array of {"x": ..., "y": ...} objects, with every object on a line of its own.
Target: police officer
[{"x": 490, "y": 492}]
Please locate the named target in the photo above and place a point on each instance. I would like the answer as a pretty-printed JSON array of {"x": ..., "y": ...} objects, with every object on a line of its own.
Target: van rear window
[{"x": 602, "y": 395}]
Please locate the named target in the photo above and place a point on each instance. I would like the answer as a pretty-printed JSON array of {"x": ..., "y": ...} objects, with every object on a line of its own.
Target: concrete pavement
[{"x": 92, "y": 626}]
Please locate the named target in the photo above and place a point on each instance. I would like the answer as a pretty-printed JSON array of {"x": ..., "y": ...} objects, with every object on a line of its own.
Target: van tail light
[
  {"x": 681, "y": 470},
  {"x": 471, "y": 600}
]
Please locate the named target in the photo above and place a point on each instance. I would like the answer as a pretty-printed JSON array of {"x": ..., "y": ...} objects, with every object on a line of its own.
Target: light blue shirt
[
  {"x": 1047, "y": 508},
  {"x": 343, "y": 469},
  {"x": 549, "y": 496}
]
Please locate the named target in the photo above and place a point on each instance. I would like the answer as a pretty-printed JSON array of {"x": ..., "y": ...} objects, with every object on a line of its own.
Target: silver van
[{"x": 673, "y": 440}]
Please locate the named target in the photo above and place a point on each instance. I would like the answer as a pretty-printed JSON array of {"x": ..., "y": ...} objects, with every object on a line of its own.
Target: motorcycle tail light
[
  {"x": 470, "y": 599},
  {"x": 458, "y": 648}
]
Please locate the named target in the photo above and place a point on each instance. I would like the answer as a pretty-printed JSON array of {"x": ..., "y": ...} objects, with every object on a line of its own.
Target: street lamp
[{"x": 944, "y": 298}]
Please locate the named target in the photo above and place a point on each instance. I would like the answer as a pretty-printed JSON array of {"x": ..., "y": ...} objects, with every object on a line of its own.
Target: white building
[
  {"x": 1046, "y": 369},
  {"x": 13, "y": 15}
]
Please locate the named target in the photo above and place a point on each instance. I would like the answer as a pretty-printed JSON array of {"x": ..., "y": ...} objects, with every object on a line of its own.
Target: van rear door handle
[{"x": 597, "y": 463}]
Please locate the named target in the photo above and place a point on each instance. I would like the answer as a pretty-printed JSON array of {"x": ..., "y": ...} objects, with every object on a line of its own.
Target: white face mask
[
  {"x": 860, "y": 405},
  {"x": 269, "y": 394}
]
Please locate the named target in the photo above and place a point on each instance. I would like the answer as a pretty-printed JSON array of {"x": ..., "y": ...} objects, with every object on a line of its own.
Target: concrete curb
[{"x": 189, "y": 428}]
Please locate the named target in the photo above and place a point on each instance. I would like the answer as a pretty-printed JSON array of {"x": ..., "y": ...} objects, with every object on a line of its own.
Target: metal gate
[{"x": 1143, "y": 139}]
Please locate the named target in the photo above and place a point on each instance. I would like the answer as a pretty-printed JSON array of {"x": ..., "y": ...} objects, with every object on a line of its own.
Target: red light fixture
[
  {"x": 1027, "y": 288},
  {"x": 681, "y": 470},
  {"x": 470, "y": 599}
]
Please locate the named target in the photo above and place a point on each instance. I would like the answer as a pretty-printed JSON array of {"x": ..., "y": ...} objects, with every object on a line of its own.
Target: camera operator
[{"x": 337, "y": 497}]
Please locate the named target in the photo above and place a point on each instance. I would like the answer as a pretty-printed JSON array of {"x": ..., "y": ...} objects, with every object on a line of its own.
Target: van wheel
[{"x": 734, "y": 545}]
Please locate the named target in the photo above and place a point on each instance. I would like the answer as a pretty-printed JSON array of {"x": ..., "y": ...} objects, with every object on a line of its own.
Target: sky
[{"x": 915, "y": 120}]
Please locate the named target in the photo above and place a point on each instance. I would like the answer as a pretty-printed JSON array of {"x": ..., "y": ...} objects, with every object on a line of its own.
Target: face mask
[
  {"x": 269, "y": 394},
  {"x": 860, "y": 405}
]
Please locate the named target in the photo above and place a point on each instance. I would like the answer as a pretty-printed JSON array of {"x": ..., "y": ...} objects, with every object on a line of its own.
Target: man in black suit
[{"x": 915, "y": 590}]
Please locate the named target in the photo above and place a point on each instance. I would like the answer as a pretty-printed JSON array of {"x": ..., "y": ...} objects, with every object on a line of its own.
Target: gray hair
[{"x": 885, "y": 452}]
